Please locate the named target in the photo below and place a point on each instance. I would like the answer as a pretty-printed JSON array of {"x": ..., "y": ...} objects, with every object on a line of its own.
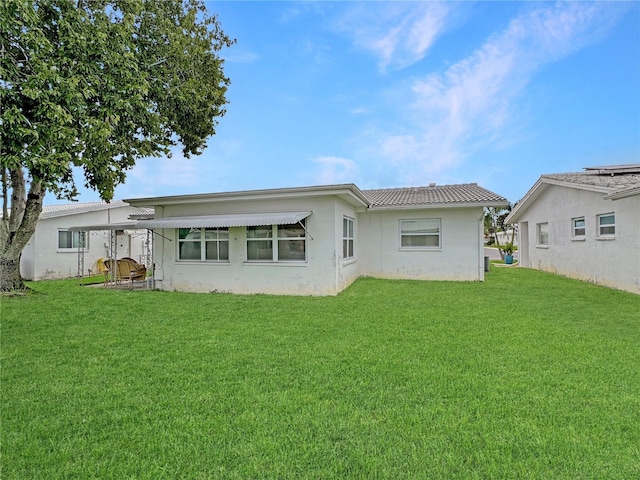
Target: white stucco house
[
  {"x": 316, "y": 240},
  {"x": 56, "y": 251},
  {"x": 584, "y": 225}
]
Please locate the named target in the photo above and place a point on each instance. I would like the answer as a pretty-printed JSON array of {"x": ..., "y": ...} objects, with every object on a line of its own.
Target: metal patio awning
[
  {"x": 105, "y": 226},
  {"x": 224, "y": 221}
]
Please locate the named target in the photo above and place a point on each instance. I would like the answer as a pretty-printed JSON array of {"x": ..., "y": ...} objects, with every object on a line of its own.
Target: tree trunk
[
  {"x": 10, "y": 278},
  {"x": 495, "y": 236},
  {"x": 18, "y": 227}
]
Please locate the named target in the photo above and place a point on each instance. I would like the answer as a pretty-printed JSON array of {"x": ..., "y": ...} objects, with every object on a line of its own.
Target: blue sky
[{"x": 391, "y": 94}]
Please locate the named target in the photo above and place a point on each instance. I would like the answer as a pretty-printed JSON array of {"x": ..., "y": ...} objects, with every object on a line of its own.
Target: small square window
[
  {"x": 606, "y": 225},
  {"x": 72, "y": 240}
]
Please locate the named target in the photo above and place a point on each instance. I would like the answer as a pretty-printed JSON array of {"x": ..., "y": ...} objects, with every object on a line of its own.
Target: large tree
[{"x": 97, "y": 85}]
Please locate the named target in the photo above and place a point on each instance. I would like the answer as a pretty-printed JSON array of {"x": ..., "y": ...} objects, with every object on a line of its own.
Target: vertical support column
[
  {"x": 113, "y": 250},
  {"x": 81, "y": 244},
  {"x": 148, "y": 263}
]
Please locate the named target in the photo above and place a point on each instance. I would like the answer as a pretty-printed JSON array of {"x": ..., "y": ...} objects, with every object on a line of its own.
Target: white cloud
[
  {"x": 398, "y": 34},
  {"x": 240, "y": 56},
  {"x": 471, "y": 104},
  {"x": 334, "y": 170}
]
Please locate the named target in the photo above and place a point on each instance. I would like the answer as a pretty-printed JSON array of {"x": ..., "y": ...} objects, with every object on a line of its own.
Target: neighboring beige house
[
  {"x": 316, "y": 240},
  {"x": 584, "y": 225},
  {"x": 54, "y": 251}
]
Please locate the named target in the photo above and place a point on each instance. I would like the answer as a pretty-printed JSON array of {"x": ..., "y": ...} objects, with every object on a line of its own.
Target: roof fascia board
[
  {"x": 104, "y": 226},
  {"x": 534, "y": 192},
  {"x": 349, "y": 192},
  {"x": 581, "y": 186}
]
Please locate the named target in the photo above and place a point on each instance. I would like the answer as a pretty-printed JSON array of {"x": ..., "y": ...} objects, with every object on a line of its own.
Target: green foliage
[
  {"x": 97, "y": 85},
  {"x": 508, "y": 248},
  {"x": 527, "y": 375},
  {"x": 100, "y": 84}
]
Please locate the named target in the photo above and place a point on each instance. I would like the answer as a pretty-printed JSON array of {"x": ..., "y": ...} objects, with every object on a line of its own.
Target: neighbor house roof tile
[
  {"x": 595, "y": 179},
  {"x": 50, "y": 211}
]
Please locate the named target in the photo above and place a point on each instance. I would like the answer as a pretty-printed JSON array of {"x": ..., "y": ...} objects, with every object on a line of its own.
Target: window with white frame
[
  {"x": 606, "y": 225},
  {"x": 347, "y": 238},
  {"x": 542, "y": 234},
  {"x": 277, "y": 243},
  {"x": 72, "y": 240},
  {"x": 578, "y": 228},
  {"x": 423, "y": 233},
  {"x": 203, "y": 244}
]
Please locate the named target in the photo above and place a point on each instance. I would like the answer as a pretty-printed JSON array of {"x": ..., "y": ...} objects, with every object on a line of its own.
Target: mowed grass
[{"x": 527, "y": 375}]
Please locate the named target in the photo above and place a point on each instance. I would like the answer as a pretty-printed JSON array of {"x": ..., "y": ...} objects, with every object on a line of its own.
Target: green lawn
[{"x": 527, "y": 375}]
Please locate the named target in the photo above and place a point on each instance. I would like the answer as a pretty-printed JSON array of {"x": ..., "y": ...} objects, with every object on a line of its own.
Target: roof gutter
[{"x": 622, "y": 193}]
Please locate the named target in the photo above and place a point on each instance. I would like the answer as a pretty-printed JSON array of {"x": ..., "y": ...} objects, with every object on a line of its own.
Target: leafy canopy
[{"x": 98, "y": 84}]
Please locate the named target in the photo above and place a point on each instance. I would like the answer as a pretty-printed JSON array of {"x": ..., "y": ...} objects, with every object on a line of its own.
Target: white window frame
[
  {"x": 348, "y": 238},
  {"x": 403, "y": 232},
  {"x": 203, "y": 241},
  {"x": 75, "y": 239},
  {"x": 600, "y": 226},
  {"x": 576, "y": 229},
  {"x": 276, "y": 239},
  {"x": 542, "y": 242}
]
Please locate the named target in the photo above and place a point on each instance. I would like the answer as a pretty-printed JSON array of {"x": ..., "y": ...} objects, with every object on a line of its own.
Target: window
[
  {"x": 291, "y": 242},
  {"x": 347, "y": 238},
  {"x": 203, "y": 244},
  {"x": 277, "y": 243},
  {"x": 542, "y": 232},
  {"x": 420, "y": 233},
  {"x": 260, "y": 243},
  {"x": 67, "y": 239},
  {"x": 607, "y": 225},
  {"x": 578, "y": 227}
]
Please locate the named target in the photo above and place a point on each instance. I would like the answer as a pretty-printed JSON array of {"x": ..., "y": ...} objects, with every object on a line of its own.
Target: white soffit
[{"x": 222, "y": 221}]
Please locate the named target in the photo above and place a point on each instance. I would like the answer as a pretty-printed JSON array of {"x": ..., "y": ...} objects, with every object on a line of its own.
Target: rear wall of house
[
  {"x": 323, "y": 272},
  {"x": 612, "y": 261},
  {"x": 460, "y": 256}
]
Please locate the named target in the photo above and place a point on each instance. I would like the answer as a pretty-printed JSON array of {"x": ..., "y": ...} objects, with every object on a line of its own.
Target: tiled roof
[
  {"x": 50, "y": 211},
  {"x": 468, "y": 193},
  {"x": 596, "y": 179},
  {"x": 143, "y": 214}
]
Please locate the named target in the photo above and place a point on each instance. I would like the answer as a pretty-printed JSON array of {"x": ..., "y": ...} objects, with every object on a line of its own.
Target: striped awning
[{"x": 223, "y": 221}]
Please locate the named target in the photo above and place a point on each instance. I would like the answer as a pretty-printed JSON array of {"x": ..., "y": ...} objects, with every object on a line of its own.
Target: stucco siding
[
  {"x": 315, "y": 276},
  {"x": 458, "y": 258},
  {"x": 611, "y": 261},
  {"x": 27, "y": 260}
]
